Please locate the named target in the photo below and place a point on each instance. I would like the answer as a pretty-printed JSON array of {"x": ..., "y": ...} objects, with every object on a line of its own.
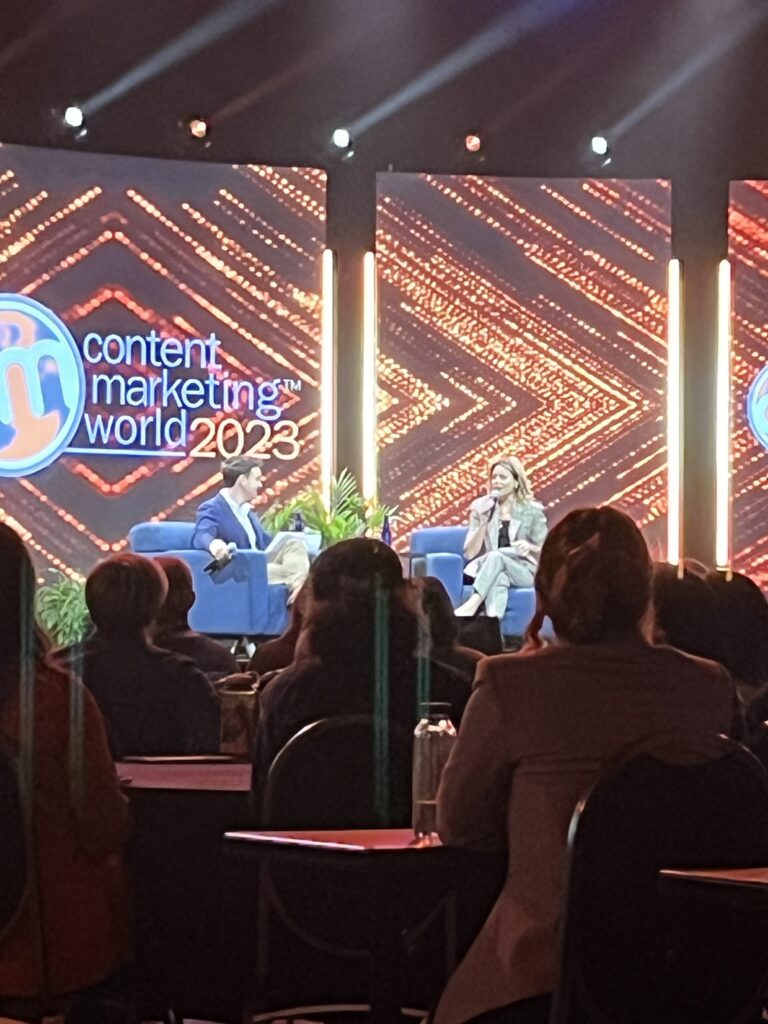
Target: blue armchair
[
  {"x": 439, "y": 551},
  {"x": 236, "y": 601}
]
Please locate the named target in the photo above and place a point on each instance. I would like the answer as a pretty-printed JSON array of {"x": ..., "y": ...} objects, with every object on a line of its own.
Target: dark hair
[
  {"x": 239, "y": 465},
  {"x": 180, "y": 596},
  {"x": 343, "y": 632},
  {"x": 124, "y": 593},
  {"x": 743, "y": 613},
  {"x": 594, "y": 577},
  {"x": 686, "y": 613},
  {"x": 362, "y": 560},
  {"x": 437, "y": 607},
  {"x": 20, "y": 635}
]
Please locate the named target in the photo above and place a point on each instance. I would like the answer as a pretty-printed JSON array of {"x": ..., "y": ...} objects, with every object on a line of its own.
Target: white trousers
[{"x": 500, "y": 570}]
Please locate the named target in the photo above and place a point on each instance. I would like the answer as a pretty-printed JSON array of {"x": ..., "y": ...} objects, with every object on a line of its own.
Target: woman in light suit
[{"x": 506, "y": 530}]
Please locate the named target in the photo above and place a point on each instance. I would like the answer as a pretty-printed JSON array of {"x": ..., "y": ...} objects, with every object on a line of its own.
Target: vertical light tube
[
  {"x": 370, "y": 454},
  {"x": 723, "y": 419},
  {"x": 674, "y": 414},
  {"x": 327, "y": 375}
]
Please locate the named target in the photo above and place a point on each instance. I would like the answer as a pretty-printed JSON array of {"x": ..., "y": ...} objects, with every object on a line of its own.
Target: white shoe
[{"x": 469, "y": 608}]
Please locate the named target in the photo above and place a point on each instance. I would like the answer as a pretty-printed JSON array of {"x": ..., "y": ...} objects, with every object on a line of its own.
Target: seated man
[
  {"x": 172, "y": 630},
  {"x": 228, "y": 518}
]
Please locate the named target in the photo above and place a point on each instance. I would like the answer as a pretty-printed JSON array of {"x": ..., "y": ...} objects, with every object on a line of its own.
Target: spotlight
[
  {"x": 198, "y": 127},
  {"x": 599, "y": 145},
  {"x": 74, "y": 117},
  {"x": 341, "y": 138},
  {"x": 473, "y": 143}
]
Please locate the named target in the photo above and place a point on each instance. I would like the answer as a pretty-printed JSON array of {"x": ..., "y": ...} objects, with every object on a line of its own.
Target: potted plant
[
  {"x": 347, "y": 514},
  {"x": 62, "y": 610}
]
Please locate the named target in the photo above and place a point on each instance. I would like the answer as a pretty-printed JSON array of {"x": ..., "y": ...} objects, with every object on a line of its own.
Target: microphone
[
  {"x": 219, "y": 563},
  {"x": 494, "y": 496}
]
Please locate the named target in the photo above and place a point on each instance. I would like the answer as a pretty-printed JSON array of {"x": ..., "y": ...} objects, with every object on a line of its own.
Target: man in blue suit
[{"x": 228, "y": 518}]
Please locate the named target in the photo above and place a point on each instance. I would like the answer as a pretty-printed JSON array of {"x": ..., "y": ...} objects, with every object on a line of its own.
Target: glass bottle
[
  {"x": 433, "y": 739},
  {"x": 298, "y": 522},
  {"x": 386, "y": 531}
]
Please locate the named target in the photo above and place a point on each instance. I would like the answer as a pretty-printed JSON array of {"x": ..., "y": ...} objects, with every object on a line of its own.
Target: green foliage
[
  {"x": 62, "y": 611},
  {"x": 348, "y": 514}
]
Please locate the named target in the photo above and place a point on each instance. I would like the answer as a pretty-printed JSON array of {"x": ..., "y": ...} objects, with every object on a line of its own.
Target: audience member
[
  {"x": 172, "y": 630},
  {"x": 743, "y": 614},
  {"x": 444, "y": 628},
  {"x": 539, "y": 727},
  {"x": 356, "y": 586},
  {"x": 686, "y": 614},
  {"x": 78, "y": 816},
  {"x": 154, "y": 701},
  {"x": 278, "y": 653}
]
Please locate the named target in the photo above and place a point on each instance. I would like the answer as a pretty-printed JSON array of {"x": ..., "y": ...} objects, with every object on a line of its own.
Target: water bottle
[
  {"x": 298, "y": 522},
  {"x": 432, "y": 741},
  {"x": 386, "y": 532}
]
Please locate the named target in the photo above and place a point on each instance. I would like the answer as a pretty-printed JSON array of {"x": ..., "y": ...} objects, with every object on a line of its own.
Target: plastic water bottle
[
  {"x": 433, "y": 739},
  {"x": 386, "y": 532},
  {"x": 298, "y": 522}
]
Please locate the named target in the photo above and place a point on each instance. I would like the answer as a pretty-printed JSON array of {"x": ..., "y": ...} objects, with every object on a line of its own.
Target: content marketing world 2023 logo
[{"x": 128, "y": 395}]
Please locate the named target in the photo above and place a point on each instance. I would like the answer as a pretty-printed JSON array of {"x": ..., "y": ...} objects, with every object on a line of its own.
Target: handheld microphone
[
  {"x": 494, "y": 496},
  {"x": 219, "y": 563}
]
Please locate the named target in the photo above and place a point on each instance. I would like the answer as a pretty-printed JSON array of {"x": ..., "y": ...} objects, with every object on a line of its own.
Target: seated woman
[
  {"x": 506, "y": 530},
  {"x": 538, "y": 729},
  {"x": 444, "y": 629},
  {"x": 78, "y": 816},
  {"x": 336, "y": 672},
  {"x": 154, "y": 701}
]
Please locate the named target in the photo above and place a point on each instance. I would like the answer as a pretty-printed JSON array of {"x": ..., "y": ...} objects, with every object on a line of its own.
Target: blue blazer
[{"x": 215, "y": 520}]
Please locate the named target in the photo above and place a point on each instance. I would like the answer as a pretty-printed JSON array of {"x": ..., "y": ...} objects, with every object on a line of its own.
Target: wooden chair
[{"x": 631, "y": 954}]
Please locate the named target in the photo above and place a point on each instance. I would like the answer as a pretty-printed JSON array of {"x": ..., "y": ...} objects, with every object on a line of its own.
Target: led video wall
[
  {"x": 154, "y": 317},
  {"x": 523, "y": 316},
  {"x": 748, "y": 235}
]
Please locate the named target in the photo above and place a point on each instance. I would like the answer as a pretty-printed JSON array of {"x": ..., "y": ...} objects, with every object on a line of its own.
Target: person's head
[
  {"x": 685, "y": 613},
  {"x": 180, "y": 596},
  {"x": 362, "y": 561},
  {"x": 743, "y": 614},
  {"x": 507, "y": 476},
  {"x": 124, "y": 594},
  {"x": 18, "y": 629},
  {"x": 594, "y": 578},
  {"x": 348, "y": 631},
  {"x": 244, "y": 473},
  {"x": 437, "y": 607}
]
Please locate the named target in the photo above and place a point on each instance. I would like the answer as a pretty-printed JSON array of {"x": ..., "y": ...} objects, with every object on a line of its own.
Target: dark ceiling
[{"x": 293, "y": 70}]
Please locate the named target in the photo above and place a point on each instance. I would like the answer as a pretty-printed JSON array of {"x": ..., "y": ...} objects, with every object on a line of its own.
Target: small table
[
  {"x": 181, "y": 808},
  {"x": 395, "y": 866},
  {"x": 747, "y": 886}
]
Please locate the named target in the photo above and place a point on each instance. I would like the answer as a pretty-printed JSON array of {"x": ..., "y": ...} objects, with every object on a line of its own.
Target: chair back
[
  {"x": 154, "y": 538},
  {"x": 631, "y": 954},
  {"x": 432, "y": 539},
  {"x": 328, "y": 776},
  {"x": 14, "y": 874}
]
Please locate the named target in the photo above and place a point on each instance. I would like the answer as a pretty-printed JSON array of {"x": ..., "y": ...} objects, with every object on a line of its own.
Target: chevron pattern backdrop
[
  {"x": 748, "y": 229},
  {"x": 522, "y": 316},
  {"x": 121, "y": 244}
]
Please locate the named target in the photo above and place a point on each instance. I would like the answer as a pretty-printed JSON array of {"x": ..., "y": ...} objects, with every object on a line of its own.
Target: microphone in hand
[
  {"x": 224, "y": 559},
  {"x": 494, "y": 498}
]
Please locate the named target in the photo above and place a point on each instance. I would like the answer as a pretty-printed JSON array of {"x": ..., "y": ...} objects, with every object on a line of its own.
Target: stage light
[
  {"x": 723, "y": 420},
  {"x": 473, "y": 143},
  {"x": 599, "y": 145},
  {"x": 198, "y": 127},
  {"x": 370, "y": 482},
  {"x": 341, "y": 138},
  {"x": 74, "y": 117},
  {"x": 327, "y": 375},
  {"x": 674, "y": 414}
]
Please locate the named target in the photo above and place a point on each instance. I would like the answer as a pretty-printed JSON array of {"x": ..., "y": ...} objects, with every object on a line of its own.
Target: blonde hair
[{"x": 523, "y": 491}]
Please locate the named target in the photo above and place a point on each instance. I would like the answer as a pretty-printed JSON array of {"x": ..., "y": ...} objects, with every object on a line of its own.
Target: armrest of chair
[{"x": 449, "y": 569}]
